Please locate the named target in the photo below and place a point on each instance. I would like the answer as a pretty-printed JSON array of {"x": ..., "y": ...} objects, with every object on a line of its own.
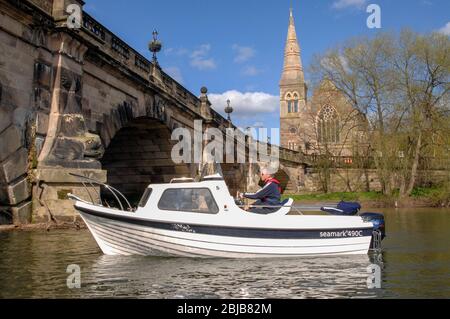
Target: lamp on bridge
[
  {"x": 155, "y": 46},
  {"x": 229, "y": 110}
]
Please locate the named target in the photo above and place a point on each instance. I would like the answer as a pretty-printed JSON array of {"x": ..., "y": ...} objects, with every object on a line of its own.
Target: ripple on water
[{"x": 415, "y": 264}]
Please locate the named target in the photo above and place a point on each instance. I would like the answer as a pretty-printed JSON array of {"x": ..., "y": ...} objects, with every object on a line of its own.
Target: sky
[{"x": 236, "y": 47}]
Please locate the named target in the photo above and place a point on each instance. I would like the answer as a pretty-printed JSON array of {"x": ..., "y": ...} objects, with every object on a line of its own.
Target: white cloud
[
  {"x": 175, "y": 73},
  {"x": 176, "y": 51},
  {"x": 246, "y": 105},
  {"x": 331, "y": 64},
  {"x": 204, "y": 64},
  {"x": 202, "y": 51},
  {"x": 243, "y": 54},
  {"x": 200, "y": 59},
  {"x": 258, "y": 124},
  {"x": 343, "y": 4},
  {"x": 251, "y": 71},
  {"x": 445, "y": 30}
]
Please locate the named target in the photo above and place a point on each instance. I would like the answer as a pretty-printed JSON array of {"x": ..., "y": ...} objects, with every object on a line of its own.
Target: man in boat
[{"x": 269, "y": 195}]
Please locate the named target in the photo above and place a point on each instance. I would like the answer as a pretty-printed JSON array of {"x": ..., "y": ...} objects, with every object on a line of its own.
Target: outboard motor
[{"x": 379, "y": 228}]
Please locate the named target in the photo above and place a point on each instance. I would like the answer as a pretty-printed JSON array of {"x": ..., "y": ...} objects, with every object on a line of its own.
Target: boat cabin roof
[{"x": 206, "y": 196}]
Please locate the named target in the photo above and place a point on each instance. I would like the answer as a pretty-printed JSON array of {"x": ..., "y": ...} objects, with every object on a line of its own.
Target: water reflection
[
  {"x": 415, "y": 263},
  {"x": 221, "y": 278},
  {"x": 35, "y": 266}
]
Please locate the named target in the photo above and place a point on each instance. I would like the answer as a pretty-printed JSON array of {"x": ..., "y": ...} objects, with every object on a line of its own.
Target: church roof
[{"x": 293, "y": 67}]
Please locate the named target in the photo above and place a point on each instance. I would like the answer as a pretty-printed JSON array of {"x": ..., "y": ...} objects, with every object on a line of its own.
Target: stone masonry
[{"x": 81, "y": 101}]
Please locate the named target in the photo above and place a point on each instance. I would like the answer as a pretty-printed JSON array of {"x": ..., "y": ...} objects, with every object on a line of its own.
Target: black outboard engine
[{"x": 379, "y": 228}]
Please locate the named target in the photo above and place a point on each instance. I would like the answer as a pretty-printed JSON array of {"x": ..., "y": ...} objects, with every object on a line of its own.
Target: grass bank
[{"x": 420, "y": 197}]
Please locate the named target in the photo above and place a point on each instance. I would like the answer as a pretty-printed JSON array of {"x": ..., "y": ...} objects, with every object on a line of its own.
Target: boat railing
[{"x": 119, "y": 197}]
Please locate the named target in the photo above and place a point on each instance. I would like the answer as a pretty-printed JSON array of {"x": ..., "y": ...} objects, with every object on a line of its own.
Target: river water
[{"x": 415, "y": 263}]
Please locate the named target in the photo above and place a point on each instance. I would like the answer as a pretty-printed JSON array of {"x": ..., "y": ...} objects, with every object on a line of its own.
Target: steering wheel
[{"x": 238, "y": 200}]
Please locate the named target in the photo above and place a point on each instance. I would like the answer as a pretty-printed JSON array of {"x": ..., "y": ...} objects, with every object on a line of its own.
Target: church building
[{"x": 324, "y": 123}]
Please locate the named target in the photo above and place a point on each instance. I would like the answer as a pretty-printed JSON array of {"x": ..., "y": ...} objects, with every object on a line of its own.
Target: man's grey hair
[{"x": 268, "y": 171}]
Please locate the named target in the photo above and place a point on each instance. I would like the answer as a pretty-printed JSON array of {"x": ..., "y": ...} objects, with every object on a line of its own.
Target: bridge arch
[
  {"x": 287, "y": 179},
  {"x": 138, "y": 153}
]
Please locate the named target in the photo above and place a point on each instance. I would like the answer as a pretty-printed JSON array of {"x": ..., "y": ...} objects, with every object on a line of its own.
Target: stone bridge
[{"x": 83, "y": 101}]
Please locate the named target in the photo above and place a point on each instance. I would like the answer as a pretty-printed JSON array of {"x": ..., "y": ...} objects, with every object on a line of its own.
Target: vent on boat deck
[{"x": 182, "y": 180}]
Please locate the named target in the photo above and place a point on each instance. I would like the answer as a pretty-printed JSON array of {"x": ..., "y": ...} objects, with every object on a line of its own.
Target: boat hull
[{"x": 122, "y": 236}]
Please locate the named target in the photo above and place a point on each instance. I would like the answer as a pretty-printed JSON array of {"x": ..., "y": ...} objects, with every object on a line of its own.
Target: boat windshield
[{"x": 211, "y": 171}]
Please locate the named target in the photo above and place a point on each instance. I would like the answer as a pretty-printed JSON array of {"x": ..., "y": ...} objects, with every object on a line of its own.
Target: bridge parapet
[{"x": 108, "y": 43}]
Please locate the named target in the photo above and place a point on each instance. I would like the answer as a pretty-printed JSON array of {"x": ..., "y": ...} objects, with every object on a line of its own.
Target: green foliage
[
  {"x": 399, "y": 83},
  {"x": 440, "y": 196},
  {"x": 62, "y": 194},
  {"x": 346, "y": 196},
  {"x": 437, "y": 195},
  {"x": 422, "y": 192}
]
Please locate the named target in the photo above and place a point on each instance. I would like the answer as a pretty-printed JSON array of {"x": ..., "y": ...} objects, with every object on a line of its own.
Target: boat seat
[{"x": 287, "y": 205}]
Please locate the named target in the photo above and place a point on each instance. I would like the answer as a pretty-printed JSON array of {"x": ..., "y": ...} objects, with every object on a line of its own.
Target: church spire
[{"x": 293, "y": 68}]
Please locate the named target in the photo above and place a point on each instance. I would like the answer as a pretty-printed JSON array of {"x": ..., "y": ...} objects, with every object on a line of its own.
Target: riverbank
[
  {"x": 420, "y": 198},
  {"x": 43, "y": 227}
]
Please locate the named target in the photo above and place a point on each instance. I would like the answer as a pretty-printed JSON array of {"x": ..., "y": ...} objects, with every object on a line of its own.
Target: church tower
[{"x": 293, "y": 94}]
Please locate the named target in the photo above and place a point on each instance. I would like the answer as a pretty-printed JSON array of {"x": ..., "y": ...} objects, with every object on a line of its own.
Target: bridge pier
[
  {"x": 50, "y": 190},
  {"x": 68, "y": 146}
]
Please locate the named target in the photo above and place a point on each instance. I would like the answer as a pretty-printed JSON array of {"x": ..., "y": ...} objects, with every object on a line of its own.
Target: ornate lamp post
[
  {"x": 155, "y": 46},
  {"x": 229, "y": 110}
]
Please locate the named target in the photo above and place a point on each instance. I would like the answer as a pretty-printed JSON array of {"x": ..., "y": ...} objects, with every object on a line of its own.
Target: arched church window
[
  {"x": 328, "y": 129},
  {"x": 292, "y": 146},
  {"x": 289, "y": 102},
  {"x": 295, "y": 103}
]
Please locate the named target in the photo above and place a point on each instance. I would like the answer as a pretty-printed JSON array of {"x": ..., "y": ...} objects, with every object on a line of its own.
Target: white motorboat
[{"x": 201, "y": 219}]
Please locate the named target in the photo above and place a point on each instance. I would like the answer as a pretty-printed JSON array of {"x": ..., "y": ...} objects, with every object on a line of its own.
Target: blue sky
[{"x": 235, "y": 47}]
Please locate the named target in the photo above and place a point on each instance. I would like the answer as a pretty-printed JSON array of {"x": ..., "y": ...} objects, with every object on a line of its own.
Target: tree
[{"x": 401, "y": 86}]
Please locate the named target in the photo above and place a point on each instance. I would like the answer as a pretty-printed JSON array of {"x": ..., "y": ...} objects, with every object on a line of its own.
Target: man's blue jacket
[{"x": 270, "y": 195}]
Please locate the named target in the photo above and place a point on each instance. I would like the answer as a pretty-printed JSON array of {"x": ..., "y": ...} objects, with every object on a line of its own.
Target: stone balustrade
[{"x": 143, "y": 67}]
